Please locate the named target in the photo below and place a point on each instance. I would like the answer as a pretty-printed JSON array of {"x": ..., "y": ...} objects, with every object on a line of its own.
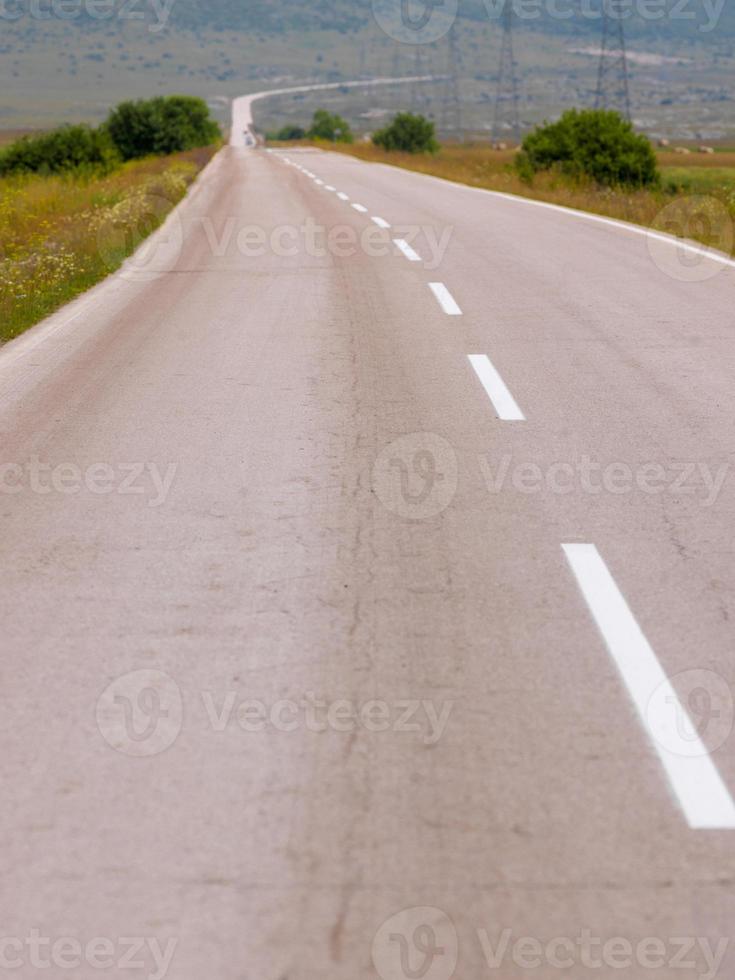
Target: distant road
[
  {"x": 452, "y": 466},
  {"x": 242, "y": 113}
]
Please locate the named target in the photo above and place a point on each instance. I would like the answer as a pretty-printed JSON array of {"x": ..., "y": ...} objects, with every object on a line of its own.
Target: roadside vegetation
[
  {"x": 408, "y": 133},
  {"x": 325, "y": 126},
  {"x": 594, "y": 145},
  {"x": 595, "y": 162},
  {"x": 166, "y": 124},
  {"x": 76, "y": 202}
]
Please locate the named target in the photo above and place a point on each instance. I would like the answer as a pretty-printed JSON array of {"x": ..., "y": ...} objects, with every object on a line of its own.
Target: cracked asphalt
[{"x": 290, "y": 643}]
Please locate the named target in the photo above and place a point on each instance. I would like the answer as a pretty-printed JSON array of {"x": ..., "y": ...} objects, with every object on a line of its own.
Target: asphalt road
[{"x": 330, "y": 593}]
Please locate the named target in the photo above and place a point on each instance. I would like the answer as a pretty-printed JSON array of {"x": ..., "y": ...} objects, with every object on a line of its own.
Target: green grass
[{"x": 61, "y": 235}]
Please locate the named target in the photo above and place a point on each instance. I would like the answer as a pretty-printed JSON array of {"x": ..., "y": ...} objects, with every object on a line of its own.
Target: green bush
[
  {"x": 597, "y": 144},
  {"x": 288, "y": 132},
  {"x": 329, "y": 126},
  {"x": 409, "y": 133},
  {"x": 166, "y": 124},
  {"x": 69, "y": 148}
]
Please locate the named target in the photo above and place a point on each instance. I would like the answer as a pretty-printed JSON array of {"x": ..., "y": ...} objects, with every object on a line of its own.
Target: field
[
  {"x": 57, "y": 70},
  {"x": 61, "y": 235},
  {"x": 696, "y": 200}
]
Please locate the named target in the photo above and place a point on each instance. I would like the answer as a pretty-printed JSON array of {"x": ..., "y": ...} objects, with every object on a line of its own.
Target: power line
[
  {"x": 613, "y": 90},
  {"x": 418, "y": 88},
  {"x": 507, "y": 118},
  {"x": 451, "y": 117}
]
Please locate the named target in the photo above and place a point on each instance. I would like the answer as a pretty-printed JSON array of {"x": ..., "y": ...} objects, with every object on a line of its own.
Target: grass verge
[
  {"x": 61, "y": 235},
  {"x": 696, "y": 200}
]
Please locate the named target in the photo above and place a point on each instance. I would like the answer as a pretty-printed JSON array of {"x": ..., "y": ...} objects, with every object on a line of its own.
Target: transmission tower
[
  {"x": 418, "y": 91},
  {"x": 613, "y": 91},
  {"x": 507, "y": 119},
  {"x": 451, "y": 117}
]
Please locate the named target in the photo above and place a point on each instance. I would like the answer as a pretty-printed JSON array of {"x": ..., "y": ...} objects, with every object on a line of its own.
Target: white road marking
[
  {"x": 359, "y": 207},
  {"x": 319, "y": 182},
  {"x": 404, "y": 247},
  {"x": 342, "y": 196},
  {"x": 704, "y": 798},
  {"x": 505, "y": 404},
  {"x": 380, "y": 222},
  {"x": 701, "y": 250},
  {"x": 445, "y": 299},
  {"x": 328, "y": 187}
]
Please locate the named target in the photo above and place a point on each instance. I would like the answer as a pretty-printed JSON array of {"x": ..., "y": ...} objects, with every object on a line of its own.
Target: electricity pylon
[
  {"x": 613, "y": 91},
  {"x": 507, "y": 118},
  {"x": 451, "y": 117},
  {"x": 418, "y": 89}
]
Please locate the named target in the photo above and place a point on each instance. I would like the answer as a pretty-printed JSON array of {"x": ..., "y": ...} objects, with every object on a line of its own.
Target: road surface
[{"x": 344, "y": 578}]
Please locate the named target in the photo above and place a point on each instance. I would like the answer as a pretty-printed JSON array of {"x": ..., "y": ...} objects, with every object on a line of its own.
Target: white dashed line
[
  {"x": 359, "y": 207},
  {"x": 319, "y": 182},
  {"x": 342, "y": 196},
  {"x": 380, "y": 222},
  {"x": 704, "y": 798},
  {"x": 505, "y": 404},
  {"x": 445, "y": 299},
  {"x": 328, "y": 187},
  {"x": 404, "y": 247}
]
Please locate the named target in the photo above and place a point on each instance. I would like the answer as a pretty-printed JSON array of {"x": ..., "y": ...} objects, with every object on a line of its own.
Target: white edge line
[
  {"x": 445, "y": 299},
  {"x": 700, "y": 250},
  {"x": 497, "y": 391},
  {"x": 698, "y": 786},
  {"x": 403, "y": 246}
]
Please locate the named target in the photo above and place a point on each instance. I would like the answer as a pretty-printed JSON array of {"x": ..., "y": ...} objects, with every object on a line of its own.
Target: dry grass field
[{"x": 61, "y": 235}]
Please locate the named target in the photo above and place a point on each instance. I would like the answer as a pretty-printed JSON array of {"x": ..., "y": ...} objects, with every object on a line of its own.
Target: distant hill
[{"x": 51, "y": 70}]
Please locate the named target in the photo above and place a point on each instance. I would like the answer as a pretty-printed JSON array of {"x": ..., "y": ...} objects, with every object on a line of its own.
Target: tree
[
  {"x": 63, "y": 149},
  {"x": 288, "y": 132},
  {"x": 329, "y": 126},
  {"x": 408, "y": 133},
  {"x": 598, "y": 144},
  {"x": 166, "y": 124}
]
